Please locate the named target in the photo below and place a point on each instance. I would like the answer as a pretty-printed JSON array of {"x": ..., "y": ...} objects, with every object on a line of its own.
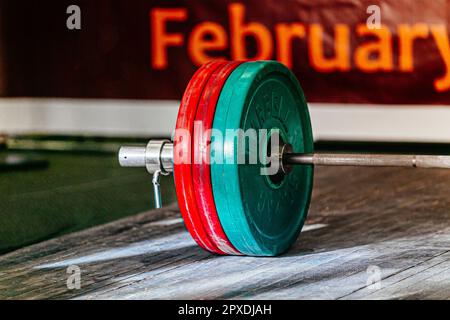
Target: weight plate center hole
[{"x": 277, "y": 178}]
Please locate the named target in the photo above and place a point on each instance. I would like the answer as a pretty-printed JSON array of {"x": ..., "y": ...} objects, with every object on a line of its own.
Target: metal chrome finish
[
  {"x": 157, "y": 157},
  {"x": 369, "y": 160},
  {"x": 166, "y": 157},
  {"x": 157, "y": 189},
  {"x": 285, "y": 166},
  {"x": 132, "y": 156}
]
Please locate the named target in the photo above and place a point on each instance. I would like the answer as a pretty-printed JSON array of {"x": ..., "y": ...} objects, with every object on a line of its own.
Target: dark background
[{"x": 110, "y": 56}]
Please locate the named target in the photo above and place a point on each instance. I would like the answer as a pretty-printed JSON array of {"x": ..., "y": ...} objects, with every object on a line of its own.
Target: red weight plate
[
  {"x": 201, "y": 152},
  {"x": 183, "y": 158}
]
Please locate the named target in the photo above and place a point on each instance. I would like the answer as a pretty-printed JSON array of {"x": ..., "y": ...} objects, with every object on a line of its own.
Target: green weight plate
[{"x": 260, "y": 215}]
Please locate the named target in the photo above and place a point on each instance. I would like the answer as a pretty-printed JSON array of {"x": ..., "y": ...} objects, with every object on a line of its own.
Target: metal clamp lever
[
  {"x": 156, "y": 157},
  {"x": 157, "y": 189}
]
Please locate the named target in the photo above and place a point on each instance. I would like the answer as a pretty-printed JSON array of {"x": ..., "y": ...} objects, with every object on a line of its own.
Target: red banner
[{"x": 387, "y": 51}]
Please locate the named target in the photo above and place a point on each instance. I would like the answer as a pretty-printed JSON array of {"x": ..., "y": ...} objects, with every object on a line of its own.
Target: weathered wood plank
[
  {"x": 428, "y": 278},
  {"x": 364, "y": 224}
]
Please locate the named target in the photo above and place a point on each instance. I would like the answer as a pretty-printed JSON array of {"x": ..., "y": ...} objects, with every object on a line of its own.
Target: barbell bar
[{"x": 157, "y": 157}]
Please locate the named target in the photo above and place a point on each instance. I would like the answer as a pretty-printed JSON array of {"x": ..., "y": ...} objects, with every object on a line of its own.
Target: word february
[{"x": 353, "y": 47}]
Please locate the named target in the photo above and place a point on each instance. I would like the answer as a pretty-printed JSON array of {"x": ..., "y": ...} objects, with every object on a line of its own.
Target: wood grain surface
[{"x": 365, "y": 225}]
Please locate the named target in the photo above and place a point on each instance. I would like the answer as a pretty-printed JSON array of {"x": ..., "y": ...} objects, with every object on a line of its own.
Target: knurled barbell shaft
[{"x": 369, "y": 160}]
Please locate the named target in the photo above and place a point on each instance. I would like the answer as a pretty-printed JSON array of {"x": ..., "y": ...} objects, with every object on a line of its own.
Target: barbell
[{"x": 242, "y": 158}]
